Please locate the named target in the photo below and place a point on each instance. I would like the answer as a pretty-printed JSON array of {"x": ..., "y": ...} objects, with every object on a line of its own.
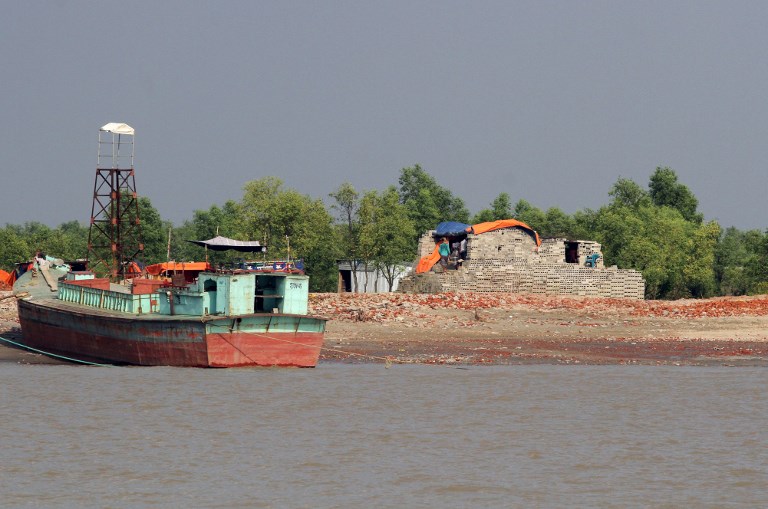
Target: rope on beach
[{"x": 49, "y": 354}]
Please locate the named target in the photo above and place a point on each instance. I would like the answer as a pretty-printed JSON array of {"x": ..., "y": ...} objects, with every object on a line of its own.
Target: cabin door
[{"x": 209, "y": 287}]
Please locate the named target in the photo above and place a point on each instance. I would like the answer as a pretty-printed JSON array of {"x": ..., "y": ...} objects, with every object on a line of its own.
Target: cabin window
[{"x": 571, "y": 252}]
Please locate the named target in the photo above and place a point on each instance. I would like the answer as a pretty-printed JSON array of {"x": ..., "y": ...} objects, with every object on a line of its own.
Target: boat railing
[{"x": 108, "y": 299}]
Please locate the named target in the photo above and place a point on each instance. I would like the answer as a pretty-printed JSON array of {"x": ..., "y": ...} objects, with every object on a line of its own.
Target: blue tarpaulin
[{"x": 451, "y": 229}]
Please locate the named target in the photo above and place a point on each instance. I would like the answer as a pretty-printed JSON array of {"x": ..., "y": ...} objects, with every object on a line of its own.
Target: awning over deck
[{"x": 225, "y": 244}]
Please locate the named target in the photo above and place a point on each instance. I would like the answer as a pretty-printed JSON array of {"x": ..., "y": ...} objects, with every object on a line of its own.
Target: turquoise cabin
[{"x": 238, "y": 294}]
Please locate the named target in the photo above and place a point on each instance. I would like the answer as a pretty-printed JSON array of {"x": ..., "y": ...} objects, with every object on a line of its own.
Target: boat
[
  {"x": 225, "y": 318},
  {"x": 198, "y": 316}
]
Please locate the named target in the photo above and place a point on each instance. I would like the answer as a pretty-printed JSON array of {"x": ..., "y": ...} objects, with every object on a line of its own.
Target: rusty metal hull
[{"x": 93, "y": 335}]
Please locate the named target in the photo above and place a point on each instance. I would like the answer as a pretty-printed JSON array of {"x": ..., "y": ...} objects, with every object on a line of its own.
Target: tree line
[{"x": 656, "y": 229}]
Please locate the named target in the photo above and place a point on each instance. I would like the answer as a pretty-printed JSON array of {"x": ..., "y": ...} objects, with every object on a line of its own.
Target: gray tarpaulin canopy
[{"x": 224, "y": 244}]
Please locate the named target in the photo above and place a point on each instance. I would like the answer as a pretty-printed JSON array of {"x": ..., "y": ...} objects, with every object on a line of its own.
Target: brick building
[{"x": 509, "y": 259}]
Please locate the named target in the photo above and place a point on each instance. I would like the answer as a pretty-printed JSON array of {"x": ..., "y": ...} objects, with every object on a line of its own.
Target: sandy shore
[
  {"x": 532, "y": 329},
  {"x": 482, "y": 328}
]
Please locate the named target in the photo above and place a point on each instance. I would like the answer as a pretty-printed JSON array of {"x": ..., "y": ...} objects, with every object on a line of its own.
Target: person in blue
[{"x": 445, "y": 250}]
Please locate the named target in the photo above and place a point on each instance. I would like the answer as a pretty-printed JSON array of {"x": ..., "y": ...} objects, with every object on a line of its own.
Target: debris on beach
[{"x": 382, "y": 307}]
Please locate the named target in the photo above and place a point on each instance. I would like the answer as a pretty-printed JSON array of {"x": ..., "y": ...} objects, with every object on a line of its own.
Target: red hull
[
  {"x": 161, "y": 341},
  {"x": 272, "y": 349}
]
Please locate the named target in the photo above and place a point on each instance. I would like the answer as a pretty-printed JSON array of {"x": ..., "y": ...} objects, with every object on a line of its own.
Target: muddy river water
[{"x": 354, "y": 436}]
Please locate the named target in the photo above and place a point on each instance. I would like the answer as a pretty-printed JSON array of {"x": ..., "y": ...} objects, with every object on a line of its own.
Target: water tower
[{"x": 114, "y": 238}]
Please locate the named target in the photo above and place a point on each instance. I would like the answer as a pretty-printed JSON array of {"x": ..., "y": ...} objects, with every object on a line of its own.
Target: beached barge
[{"x": 238, "y": 318}]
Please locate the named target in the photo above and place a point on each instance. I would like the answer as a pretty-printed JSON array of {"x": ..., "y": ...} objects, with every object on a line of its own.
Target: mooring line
[
  {"x": 388, "y": 361},
  {"x": 235, "y": 347},
  {"x": 49, "y": 354}
]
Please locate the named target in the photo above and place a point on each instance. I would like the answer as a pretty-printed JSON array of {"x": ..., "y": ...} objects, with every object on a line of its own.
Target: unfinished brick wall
[{"x": 508, "y": 260}]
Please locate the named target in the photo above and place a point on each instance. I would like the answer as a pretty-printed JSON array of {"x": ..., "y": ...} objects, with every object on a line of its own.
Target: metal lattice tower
[{"x": 114, "y": 238}]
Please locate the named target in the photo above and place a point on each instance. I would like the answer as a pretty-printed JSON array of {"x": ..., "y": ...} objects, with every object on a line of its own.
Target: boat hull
[{"x": 91, "y": 335}]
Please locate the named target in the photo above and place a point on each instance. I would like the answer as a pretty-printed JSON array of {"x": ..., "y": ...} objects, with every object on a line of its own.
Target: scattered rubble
[
  {"x": 381, "y": 307},
  {"x": 499, "y": 328}
]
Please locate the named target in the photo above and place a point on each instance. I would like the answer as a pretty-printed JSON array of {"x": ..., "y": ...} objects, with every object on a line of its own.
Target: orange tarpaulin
[
  {"x": 428, "y": 261},
  {"x": 6, "y": 278},
  {"x": 159, "y": 268},
  {"x": 502, "y": 223}
]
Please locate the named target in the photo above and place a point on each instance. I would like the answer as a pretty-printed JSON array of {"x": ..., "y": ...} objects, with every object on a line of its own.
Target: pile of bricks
[{"x": 508, "y": 260}]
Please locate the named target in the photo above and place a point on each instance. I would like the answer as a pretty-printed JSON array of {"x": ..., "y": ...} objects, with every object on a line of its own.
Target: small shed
[{"x": 370, "y": 279}]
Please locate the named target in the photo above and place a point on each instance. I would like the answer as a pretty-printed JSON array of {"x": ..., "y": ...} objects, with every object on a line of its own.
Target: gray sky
[{"x": 547, "y": 101}]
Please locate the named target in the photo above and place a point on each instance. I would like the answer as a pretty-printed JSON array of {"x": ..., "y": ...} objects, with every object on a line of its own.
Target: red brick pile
[{"x": 394, "y": 306}]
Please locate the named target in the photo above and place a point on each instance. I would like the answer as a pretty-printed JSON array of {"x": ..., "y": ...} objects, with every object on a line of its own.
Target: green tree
[
  {"x": 484, "y": 216},
  {"x": 55, "y": 244},
  {"x": 699, "y": 273},
  {"x": 154, "y": 232},
  {"x": 386, "y": 234},
  {"x": 316, "y": 242},
  {"x": 659, "y": 233},
  {"x": 75, "y": 240},
  {"x": 628, "y": 193},
  {"x": 36, "y": 235},
  {"x": 665, "y": 190},
  {"x": 619, "y": 231},
  {"x": 68, "y": 242},
  {"x": 649, "y": 239},
  {"x": 756, "y": 265},
  {"x": 584, "y": 222},
  {"x": 429, "y": 203},
  {"x": 530, "y": 215},
  {"x": 396, "y": 233},
  {"x": 259, "y": 209},
  {"x": 368, "y": 245},
  {"x": 15, "y": 248},
  {"x": 557, "y": 224},
  {"x": 181, "y": 250},
  {"x": 423, "y": 212},
  {"x": 207, "y": 224},
  {"x": 216, "y": 221},
  {"x": 501, "y": 208},
  {"x": 675, "y": 255},
  {"x": 347, "y": 205},
  {"x": 293, "y": 226},
  {"x": 732, "y": 255}
]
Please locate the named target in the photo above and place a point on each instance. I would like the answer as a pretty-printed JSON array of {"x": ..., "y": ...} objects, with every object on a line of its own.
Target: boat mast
[{"x": 114, "y": 237}]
